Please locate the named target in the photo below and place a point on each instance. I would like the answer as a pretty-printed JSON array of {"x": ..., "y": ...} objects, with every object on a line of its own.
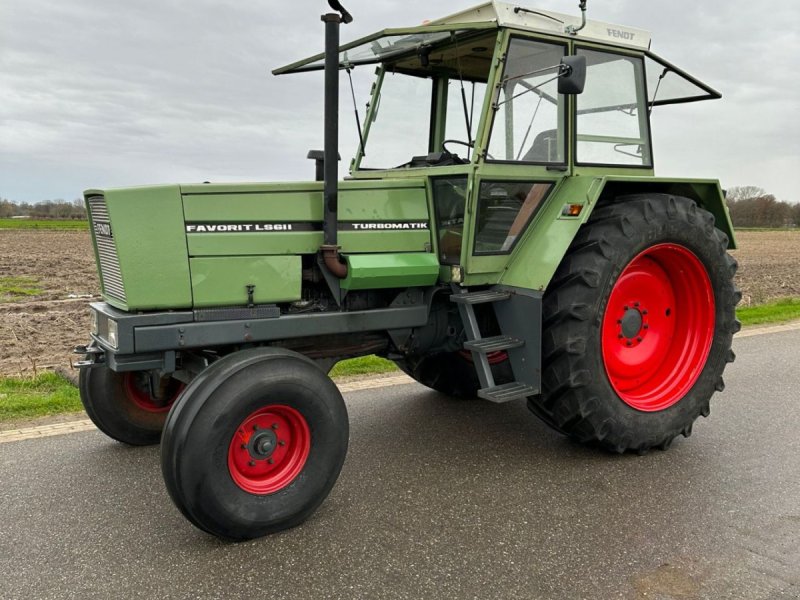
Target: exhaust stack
[{"x": 330, "y": 248}]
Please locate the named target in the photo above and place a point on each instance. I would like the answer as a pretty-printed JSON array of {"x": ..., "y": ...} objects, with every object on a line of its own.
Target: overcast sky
[{"x": 115, "y": 93}]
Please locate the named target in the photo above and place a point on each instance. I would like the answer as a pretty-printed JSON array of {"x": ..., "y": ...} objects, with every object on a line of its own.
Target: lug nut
[
  {"x": 281, "y": 443},
  {"x": 644, "y": 312},
  {"x": 255, "y": 427},
  {"x": 252, "y": 463},
  {"x": 636, "y": 304},
  {"x": 638, "y": 339},
  {"x": 244, "y": 446},
  {"x": 646, "y": 326},
  {"x": 274, "y": 425},
  {"x": 629, "y": 343},
  {"x": 271, "y": 461}
]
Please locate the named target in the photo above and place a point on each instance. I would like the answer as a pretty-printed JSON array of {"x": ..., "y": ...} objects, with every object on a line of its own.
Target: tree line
[
  {"x": 49, "y": 209},
  {"x": 751, "y": 206}
]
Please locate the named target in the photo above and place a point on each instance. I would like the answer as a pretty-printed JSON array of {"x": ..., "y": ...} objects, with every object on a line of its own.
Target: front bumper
[{"x": 152, "y": 340}]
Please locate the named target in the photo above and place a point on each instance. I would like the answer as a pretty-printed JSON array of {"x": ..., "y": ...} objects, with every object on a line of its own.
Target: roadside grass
[
  {"x": 63, "y": 224},
  {"x": 778, "y": 311},
  {"x": 14, "y": 288},
  {"x": 39, "y": 396},
  {"x": 364, "y": 365}
]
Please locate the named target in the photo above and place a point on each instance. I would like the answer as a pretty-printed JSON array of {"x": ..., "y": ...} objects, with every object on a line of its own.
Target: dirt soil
[
  {"x": 769, "y": 265},
  {"x": 38, "y": 333}
]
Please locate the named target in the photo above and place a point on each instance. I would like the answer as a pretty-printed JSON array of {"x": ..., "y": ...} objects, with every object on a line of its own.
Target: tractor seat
[{"x": 544, "y": 148}]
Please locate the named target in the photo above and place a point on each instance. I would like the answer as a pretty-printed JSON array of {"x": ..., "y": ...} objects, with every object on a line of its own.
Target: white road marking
[
  {"x": 28, "y": 433},
  {"x": 758, "y": 330}
]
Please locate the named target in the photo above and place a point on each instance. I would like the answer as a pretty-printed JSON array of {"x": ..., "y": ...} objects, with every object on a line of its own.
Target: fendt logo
[
  {"x": 103, "y": 229},
  {"x": 618, "y": 33}
]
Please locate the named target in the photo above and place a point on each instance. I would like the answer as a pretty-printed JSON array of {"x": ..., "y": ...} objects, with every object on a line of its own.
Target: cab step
[
  {"x": 481, "y": 297},
  {"x": 493, "y": 344},
  {"x": 507, "y": 392}
]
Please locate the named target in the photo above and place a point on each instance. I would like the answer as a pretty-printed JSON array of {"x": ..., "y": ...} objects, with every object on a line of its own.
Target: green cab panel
[
  {"x": 537, "y": 256},
  {"x": 223, "y": 281},
  {"x": 381, "y": 271},
  {"x": 147, "y": 226}
]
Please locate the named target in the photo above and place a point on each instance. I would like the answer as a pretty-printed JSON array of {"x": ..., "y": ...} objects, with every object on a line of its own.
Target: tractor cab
[{"x": 499, "y": 105}]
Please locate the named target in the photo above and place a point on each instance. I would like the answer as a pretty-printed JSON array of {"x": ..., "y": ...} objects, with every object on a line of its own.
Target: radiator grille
[{"x": 106, "y": 249}]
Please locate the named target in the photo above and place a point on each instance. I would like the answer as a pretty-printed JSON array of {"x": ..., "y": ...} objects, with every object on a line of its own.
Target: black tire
[
  {"x": 205, "y": 426},
  {"x": 110, "y": 400},
  {"x": 451, "y": 373},
  {"x": 578, "y": 396}
]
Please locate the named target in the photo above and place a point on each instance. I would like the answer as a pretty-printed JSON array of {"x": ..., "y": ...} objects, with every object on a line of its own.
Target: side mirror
[{"x": 572, "y": 75}]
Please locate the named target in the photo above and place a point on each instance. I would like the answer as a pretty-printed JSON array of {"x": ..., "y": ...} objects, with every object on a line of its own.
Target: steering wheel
[{"x": 460, "y": 143}]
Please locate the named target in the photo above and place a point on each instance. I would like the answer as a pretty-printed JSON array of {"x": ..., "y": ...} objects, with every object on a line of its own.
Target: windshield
[
  {"x": 426, "y": 109},
  {"x": 404, "y": 126}
]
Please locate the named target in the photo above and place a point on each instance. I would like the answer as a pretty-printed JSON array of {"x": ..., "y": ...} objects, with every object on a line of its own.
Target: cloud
[{"x": 121, "y": 93}]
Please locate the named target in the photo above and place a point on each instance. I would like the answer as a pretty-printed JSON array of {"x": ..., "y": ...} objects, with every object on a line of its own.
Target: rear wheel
[
  {"x": 121, "y": 406},
  {"x": 255, "y": 444},
  {"x": 638, "y": 324}
]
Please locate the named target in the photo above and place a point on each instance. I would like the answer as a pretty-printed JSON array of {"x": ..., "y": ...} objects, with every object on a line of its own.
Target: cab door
[{"x": 523, "y": 155}]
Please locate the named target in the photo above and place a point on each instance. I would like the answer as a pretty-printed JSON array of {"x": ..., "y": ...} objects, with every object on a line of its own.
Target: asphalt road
[{"x": 442, "y": 499}]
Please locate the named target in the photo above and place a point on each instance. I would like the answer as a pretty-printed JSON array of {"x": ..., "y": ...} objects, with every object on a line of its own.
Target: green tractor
[{"x": 501, "y": 235}]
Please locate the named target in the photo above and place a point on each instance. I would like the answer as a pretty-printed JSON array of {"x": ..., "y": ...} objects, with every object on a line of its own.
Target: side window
[
  {"x": 504, "y": 210},
  {"x": 528, "y": 123},
  {"x": 612, "y": 119}
]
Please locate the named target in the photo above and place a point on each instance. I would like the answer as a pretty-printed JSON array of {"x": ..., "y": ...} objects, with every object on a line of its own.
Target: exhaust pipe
[{"x": 330, "y": 248}]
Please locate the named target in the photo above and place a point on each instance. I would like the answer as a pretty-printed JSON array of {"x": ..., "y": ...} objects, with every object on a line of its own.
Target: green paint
[
  {"x": 151, "y": 245},
  {"x": 377, "y": 271},
  {"x": 223, "y": 281}
]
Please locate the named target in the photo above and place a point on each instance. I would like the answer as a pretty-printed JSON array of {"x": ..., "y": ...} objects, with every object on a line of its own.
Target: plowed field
[{"x": 38, "y": 332}]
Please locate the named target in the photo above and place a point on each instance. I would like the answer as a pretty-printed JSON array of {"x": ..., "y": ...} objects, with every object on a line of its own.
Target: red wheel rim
[
  {"x": 658, "y": 327},
  {"x": 269, "y": 449},
  {"x": 495, "y": 358},
  {"x": 136, "y": 388}
]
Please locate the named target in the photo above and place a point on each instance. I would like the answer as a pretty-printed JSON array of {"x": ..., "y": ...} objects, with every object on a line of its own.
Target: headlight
[
  {"x": 95, "y": 322},
  {"x": 113, "y": 333}
]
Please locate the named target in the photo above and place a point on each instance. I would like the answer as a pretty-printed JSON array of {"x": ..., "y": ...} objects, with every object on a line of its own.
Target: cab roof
[{"x": 389, "y": 44}]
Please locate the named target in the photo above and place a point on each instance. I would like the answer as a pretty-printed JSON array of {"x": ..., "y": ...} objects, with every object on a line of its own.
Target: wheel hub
[
  {"x": 632, "y": 322},
  {"x": 262, "y": 444}
]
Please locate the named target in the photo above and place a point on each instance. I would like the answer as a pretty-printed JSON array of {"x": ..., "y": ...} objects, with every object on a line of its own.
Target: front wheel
[
  {"x": 255, "y": 444},
  {"x": 638, "y": 325},
  {"x": 121, "y": 406}
]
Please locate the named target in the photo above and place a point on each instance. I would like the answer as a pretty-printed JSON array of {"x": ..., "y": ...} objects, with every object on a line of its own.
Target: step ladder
[{"x": 481, "y": 346}]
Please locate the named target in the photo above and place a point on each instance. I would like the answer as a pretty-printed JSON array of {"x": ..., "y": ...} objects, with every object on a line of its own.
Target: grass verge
[
  {"x": 14, "y": 288},
  {"x": 364, "y": 365},
  {"x": 30, "y": 397},
  {"x": 66, "y": 224},
  {"x": 779, "y": 311}
]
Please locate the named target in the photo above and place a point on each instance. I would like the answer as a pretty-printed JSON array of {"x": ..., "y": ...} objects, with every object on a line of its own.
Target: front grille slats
[{"x": 110, "y": 273}]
